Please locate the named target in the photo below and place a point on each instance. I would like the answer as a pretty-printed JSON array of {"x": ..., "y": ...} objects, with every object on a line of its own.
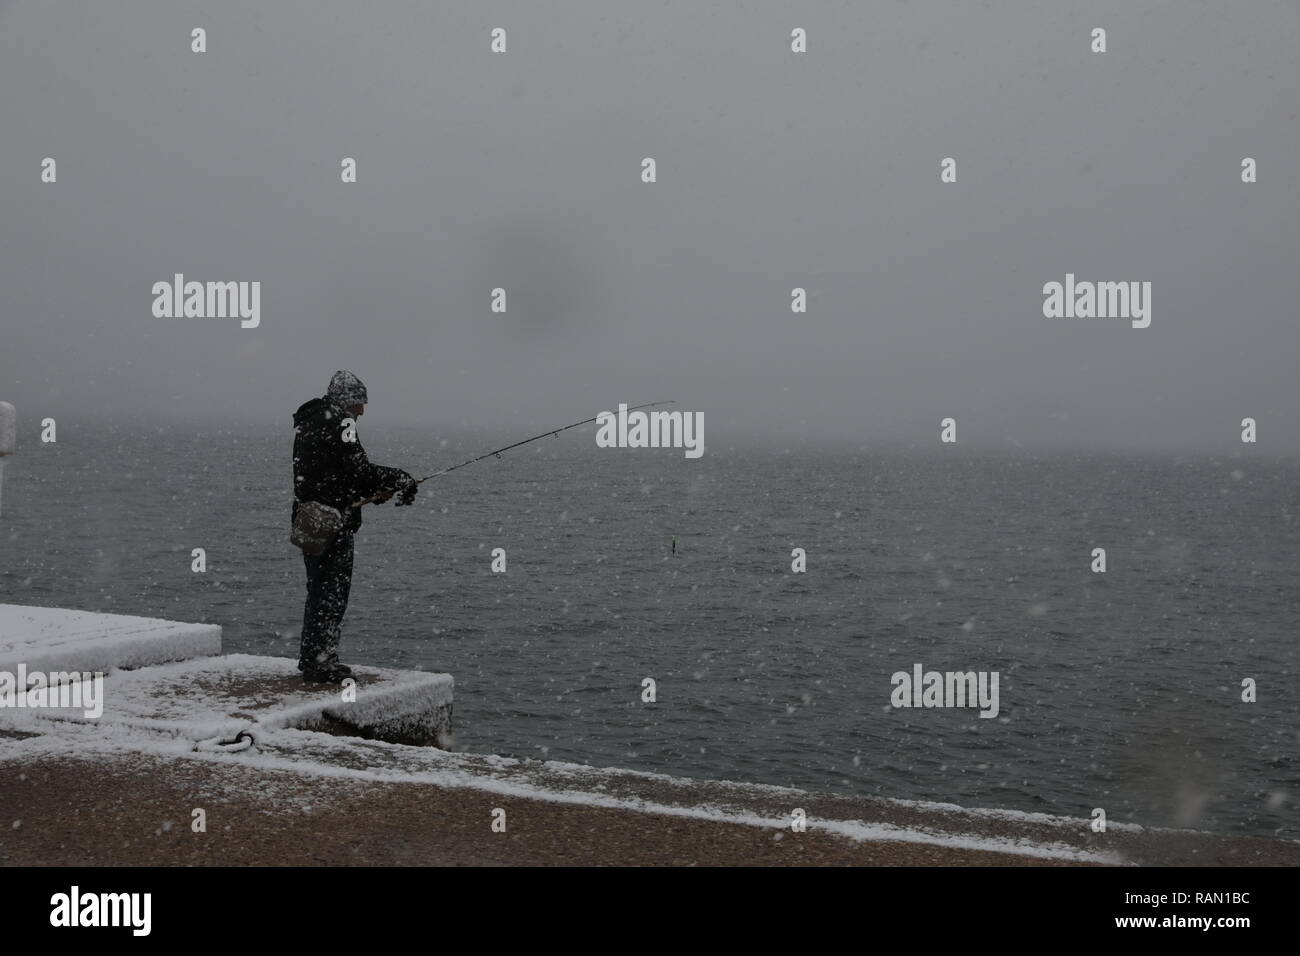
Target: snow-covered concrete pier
[
  {"x": 169, "y": 678},
  {"x": 57, "y": 639}
]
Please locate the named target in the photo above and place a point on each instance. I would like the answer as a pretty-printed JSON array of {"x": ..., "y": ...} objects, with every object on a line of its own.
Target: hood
[{"x": 307, "y": 411}]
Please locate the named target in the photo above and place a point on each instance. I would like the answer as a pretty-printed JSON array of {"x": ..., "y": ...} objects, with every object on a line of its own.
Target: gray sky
[{"x": 775, "y": 170}]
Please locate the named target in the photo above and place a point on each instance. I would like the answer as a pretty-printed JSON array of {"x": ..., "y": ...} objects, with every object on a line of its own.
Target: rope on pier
[{"x": 241, "y": 741}]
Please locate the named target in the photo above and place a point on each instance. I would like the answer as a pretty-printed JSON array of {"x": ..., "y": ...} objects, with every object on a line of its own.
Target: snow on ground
[
  {"x": 354, "y": 761},
  {"x": 279, "y": 754},
  {"x": 58, "y": 639}
]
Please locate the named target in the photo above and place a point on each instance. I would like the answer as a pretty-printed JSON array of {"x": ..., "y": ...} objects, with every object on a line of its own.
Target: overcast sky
[{"x": 775, "y": 170}]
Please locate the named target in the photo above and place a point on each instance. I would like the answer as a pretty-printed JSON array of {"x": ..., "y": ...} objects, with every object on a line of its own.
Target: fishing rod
[
  {"x": 498, "y": 451},
  {"x": 556, "y": 431}
]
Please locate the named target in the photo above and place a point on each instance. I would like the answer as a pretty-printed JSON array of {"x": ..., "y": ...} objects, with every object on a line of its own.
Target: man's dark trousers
[{"x": 329, "y": 579}]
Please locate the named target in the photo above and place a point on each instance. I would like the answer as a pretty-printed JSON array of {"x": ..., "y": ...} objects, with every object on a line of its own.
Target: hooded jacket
[{"x": 330, "y": 470}]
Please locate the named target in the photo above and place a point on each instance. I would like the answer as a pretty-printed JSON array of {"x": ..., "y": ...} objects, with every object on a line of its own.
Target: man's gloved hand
[{"x": 406, "y": 489}]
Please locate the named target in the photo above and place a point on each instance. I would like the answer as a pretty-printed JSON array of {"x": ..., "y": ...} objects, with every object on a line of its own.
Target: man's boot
[{"x": 329, "y": 671}]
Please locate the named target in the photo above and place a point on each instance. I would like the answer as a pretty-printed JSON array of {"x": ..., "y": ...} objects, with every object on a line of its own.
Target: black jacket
[{"x": 330, "y": 470}]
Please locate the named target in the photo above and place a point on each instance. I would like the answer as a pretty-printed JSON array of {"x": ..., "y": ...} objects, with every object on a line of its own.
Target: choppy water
[{"x": 1118, "y": 690}]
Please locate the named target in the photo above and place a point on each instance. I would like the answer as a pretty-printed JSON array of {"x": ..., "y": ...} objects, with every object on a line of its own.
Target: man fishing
[{"x": 331, "y": 467}]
